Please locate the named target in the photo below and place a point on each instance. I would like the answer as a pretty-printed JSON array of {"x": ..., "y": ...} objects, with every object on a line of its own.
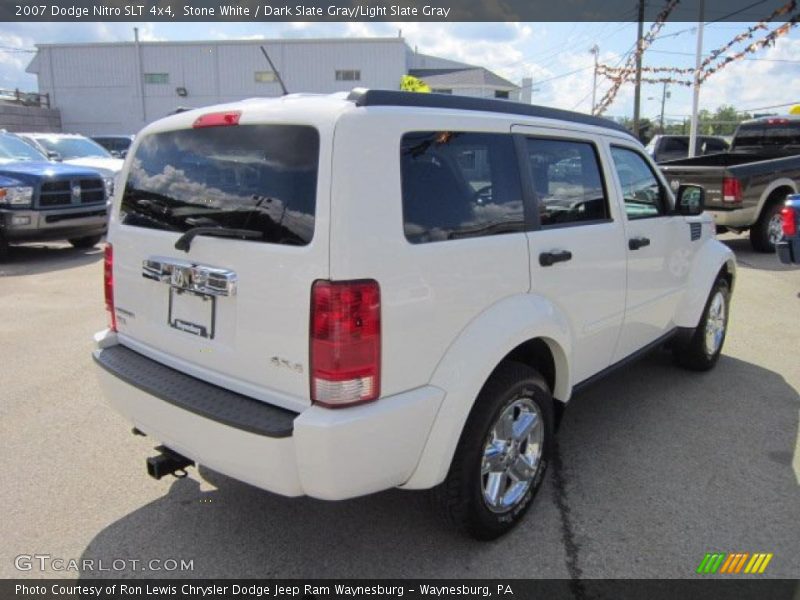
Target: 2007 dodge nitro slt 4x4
[{"x": 336, "y": 295}]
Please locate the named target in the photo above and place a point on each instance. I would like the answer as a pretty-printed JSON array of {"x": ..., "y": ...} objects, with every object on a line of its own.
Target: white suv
[{"x": 336, "y": 295}]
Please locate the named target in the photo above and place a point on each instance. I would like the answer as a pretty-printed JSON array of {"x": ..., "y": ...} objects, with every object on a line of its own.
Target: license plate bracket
[{"x": 192, "y": 312}]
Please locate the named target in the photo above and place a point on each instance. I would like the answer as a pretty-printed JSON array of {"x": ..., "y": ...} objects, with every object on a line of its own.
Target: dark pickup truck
[
  {"x": 746, "y": 186},
  {"x": 45, "y": 201}
]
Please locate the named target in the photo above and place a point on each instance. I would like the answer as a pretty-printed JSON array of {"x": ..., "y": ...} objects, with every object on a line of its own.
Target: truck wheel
[
  {"x": 3, "y": 248},
  {"x": 86, "y": 242},
  {"x": 502, "y": 455},
  {"x": 705, "y": 345},
  {"x": 767, "y": 232}
]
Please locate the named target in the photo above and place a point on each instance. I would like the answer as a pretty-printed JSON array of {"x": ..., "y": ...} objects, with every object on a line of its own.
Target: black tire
[
  {"x": 760, "y": 232},
  {"x": 696, "y": 354},
  {"x": 460, "y": 498},
  {"x": 86, "y": 242},
  {"x": 3, "y": 248}
]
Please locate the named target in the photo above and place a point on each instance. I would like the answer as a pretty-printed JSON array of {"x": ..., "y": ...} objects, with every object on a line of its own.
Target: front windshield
[
  {"x": 12, "y": 148},
  {"x": 74, "y": 147}
]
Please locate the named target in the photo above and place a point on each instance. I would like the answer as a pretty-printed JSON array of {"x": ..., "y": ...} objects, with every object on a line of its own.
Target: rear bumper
[
  {"x": 328, "y": 454},
  {"x": 46, "y": 225},
  {"x": 736, "y": 218}
]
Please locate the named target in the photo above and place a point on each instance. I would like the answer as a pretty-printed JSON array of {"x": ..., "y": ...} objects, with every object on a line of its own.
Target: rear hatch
[{"x": 232, "y": 310}]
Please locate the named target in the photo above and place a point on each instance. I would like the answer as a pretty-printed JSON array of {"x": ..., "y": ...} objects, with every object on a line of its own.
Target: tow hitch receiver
[{"x": 168, "y": 462}]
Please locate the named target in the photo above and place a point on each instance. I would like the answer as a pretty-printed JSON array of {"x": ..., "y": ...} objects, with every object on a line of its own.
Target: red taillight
[
  {"x": 345, "y": 342},
  {"x": 218, "y": 119},
  {"x": 731, "y": 190},
  {"x": 789, "y": 221},
  {"x": 108, "y": 285}
]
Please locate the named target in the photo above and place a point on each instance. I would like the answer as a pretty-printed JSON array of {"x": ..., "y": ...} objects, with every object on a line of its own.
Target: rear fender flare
[{"x": 471, "y": 359}]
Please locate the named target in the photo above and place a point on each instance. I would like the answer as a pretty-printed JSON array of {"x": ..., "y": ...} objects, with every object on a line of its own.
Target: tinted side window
[
  {"x": 675, "y": 145},
  {"x": 713, "y": 146},
  {"x": 567, "y": 180},
  {"x": 257, "y": 177},
  {"x": 643, "y": 194},
  {"x": 749, "y": 135},
  {"x": 459, "y": 184}
]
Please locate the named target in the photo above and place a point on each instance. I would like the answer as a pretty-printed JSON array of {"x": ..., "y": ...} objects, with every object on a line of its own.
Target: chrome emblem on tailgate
[{"x": 184, "y": 275}]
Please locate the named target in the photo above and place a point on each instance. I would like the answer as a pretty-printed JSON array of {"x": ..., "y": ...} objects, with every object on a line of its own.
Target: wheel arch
[
  {"x": 527, "y": 328},
  {"x": 713, "y": 260},
  {"x": 777, "y": 189}
]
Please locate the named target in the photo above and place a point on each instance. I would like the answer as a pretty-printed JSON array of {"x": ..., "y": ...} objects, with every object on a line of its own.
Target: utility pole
[
  {"x": 139, "y": 73},
  {"x": 663, "y": 102},
  {"x": 696, "y": 96},
  {"x": 596, "y": 51},
  {"x": 637, "y": 93}
]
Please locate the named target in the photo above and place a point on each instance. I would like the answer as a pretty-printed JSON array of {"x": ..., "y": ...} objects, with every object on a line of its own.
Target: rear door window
[
  {"x": 458, "y": 185},
  {"x": 256, "y": 177}
]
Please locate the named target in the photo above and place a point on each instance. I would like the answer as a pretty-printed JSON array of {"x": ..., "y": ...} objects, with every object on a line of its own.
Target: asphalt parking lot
[{"x": 656, "y": 466}]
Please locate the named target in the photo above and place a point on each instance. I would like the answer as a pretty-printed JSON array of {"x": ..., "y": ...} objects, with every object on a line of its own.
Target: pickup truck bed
[{"x": 746, "y": 187}]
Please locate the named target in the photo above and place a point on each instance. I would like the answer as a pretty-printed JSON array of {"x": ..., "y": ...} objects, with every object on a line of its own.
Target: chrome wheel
[
  {"x": 715, "y": 324},
  {"x": 775, "y": 229},
  {"x": 512, "y": 454}
]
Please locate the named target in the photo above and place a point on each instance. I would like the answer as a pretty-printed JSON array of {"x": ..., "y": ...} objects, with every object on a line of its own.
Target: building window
[
  {"x": 503, "y": 95},
  {"x": 156, "y": 78},
  {"x": 442, "y": 91},
  {"x": 348, "y": 75},
  {"x": 265, "y": 77}
]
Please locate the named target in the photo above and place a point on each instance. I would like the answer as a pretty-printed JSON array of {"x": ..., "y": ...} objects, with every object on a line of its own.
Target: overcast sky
[{"x": 555, "y": 55}]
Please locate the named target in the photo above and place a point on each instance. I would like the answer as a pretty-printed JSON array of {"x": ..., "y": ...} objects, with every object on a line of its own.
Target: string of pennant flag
[
  {"x": 626, "y": 73},
  {"x": 646, "y": 40}
]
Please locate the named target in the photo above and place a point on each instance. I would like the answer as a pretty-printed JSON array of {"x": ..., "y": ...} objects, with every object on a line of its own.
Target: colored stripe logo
[{"x": 734, "y": 563}]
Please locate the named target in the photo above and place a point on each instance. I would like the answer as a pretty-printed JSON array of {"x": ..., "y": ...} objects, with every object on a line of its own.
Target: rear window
[
  {"x": 458, "y": 185},
  {"x": 781, "y": 133},
  {"x": 256, "y": 177}
]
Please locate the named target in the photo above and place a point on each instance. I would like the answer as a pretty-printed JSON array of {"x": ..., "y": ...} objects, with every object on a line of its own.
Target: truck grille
[
  {"x": 56, "y": 193},
  {"x": 92, "y": 191},
  {"x": 59, "y": 193}
]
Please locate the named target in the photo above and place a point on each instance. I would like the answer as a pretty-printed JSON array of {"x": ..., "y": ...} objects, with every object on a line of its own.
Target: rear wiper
[{"x": 185, "y": 241}]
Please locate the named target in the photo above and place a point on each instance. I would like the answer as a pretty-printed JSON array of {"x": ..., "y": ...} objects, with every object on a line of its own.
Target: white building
[{"x": 120, "y": 87}]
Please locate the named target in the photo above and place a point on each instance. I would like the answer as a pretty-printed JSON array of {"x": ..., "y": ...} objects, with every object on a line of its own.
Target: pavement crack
[{"x": 567, "y": 531}]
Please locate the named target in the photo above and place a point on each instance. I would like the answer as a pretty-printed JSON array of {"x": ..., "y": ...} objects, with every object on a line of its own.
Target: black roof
[{"x": 366, "y": 97}]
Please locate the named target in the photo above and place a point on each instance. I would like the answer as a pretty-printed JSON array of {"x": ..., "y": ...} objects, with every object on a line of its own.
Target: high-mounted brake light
[
  {"x": 217, "y": 119},
  {"x": 731, "y": 190},
  {"x": 345, "y": 342},
  {"x": 777, "y": 121},
  {"x": 108, "y": 285},
  {"x": 789, "y": 221}
]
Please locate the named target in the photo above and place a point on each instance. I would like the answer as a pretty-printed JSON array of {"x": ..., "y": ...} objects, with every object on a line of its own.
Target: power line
[
  {"x": 736, "y": 12},
  {"x": 766, "y": 107},
  {"x": 781, "y": 60}
]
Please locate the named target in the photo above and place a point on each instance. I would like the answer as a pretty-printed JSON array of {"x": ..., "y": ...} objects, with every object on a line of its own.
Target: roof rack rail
[{"x": 368, "y": 97}]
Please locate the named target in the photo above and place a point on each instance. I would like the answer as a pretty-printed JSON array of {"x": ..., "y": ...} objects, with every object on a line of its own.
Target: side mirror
[
  {"x": 115, "y": 154},
  {"x": 53, "y": 155},
  {"x": 691, "y": 200},
  {"x": 123, "y": 154}
]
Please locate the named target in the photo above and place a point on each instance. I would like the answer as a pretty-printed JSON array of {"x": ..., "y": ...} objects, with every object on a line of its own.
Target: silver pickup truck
[{"x": 747, "y": 186}]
